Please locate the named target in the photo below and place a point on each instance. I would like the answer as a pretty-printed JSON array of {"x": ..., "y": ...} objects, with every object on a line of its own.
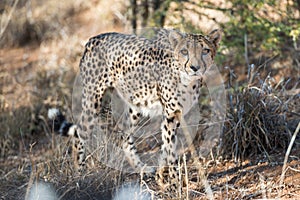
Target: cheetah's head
[{"x": 195, "y": 53}]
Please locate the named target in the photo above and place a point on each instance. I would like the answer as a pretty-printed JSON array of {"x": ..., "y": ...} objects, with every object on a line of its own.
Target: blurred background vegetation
[
  {"x": 254, "y": 31},
  {"x": 269, "y": 27},
  {"x": 255, "y": 28}
]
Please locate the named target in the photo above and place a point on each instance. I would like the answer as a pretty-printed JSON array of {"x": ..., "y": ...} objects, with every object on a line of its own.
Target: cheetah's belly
[
  {"x": 147, "y": 104},
  {"x": 152, "y": 110}
]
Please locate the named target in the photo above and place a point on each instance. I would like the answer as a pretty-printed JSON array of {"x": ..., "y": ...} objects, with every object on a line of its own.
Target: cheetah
[{"x": 155, "y": 77}]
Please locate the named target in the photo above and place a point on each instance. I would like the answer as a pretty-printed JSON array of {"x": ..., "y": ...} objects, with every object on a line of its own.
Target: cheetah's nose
[{"x": 195, "y": 68}]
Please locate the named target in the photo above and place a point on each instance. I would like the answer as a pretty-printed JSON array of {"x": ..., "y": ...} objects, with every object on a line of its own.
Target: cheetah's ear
[
  {"x": 215, "y": 37},
  {"x": 175, "y": 37}
]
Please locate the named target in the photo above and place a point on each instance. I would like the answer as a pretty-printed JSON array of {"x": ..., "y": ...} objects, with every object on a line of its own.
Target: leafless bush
[{"x": 256, "y": 118}]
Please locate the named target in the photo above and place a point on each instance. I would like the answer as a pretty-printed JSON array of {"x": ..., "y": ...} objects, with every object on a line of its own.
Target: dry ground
[{"x": 39, "y": 75}]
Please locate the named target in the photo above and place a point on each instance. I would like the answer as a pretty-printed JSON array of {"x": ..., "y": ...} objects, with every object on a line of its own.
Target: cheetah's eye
[
  {"x": 184, "y": 52},
  {"x": 205, "y": 51}
]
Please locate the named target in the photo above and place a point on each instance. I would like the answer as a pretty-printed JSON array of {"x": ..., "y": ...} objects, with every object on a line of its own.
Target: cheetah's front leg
[
  {"x": 169, "y": 154},
  {"x": 129, "y": 147}
]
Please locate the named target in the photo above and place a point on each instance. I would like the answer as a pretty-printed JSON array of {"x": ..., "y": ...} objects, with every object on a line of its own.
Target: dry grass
[
  {"x": 35, "y": 78},
  {"x": 257, "y": 120},
  {"x": 40, "y": 76},
  {"x": 261, "y": 118},
  {"x": 257, "y": 128}
]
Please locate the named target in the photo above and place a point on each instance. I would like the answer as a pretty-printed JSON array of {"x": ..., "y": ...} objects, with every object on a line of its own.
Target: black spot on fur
[{"x": 170, "y": 120}]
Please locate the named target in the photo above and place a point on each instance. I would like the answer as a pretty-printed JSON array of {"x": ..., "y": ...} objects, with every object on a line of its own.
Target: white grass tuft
[
  {"x": 42, "y": 191},
  {"x": 132, "y": 192}
]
